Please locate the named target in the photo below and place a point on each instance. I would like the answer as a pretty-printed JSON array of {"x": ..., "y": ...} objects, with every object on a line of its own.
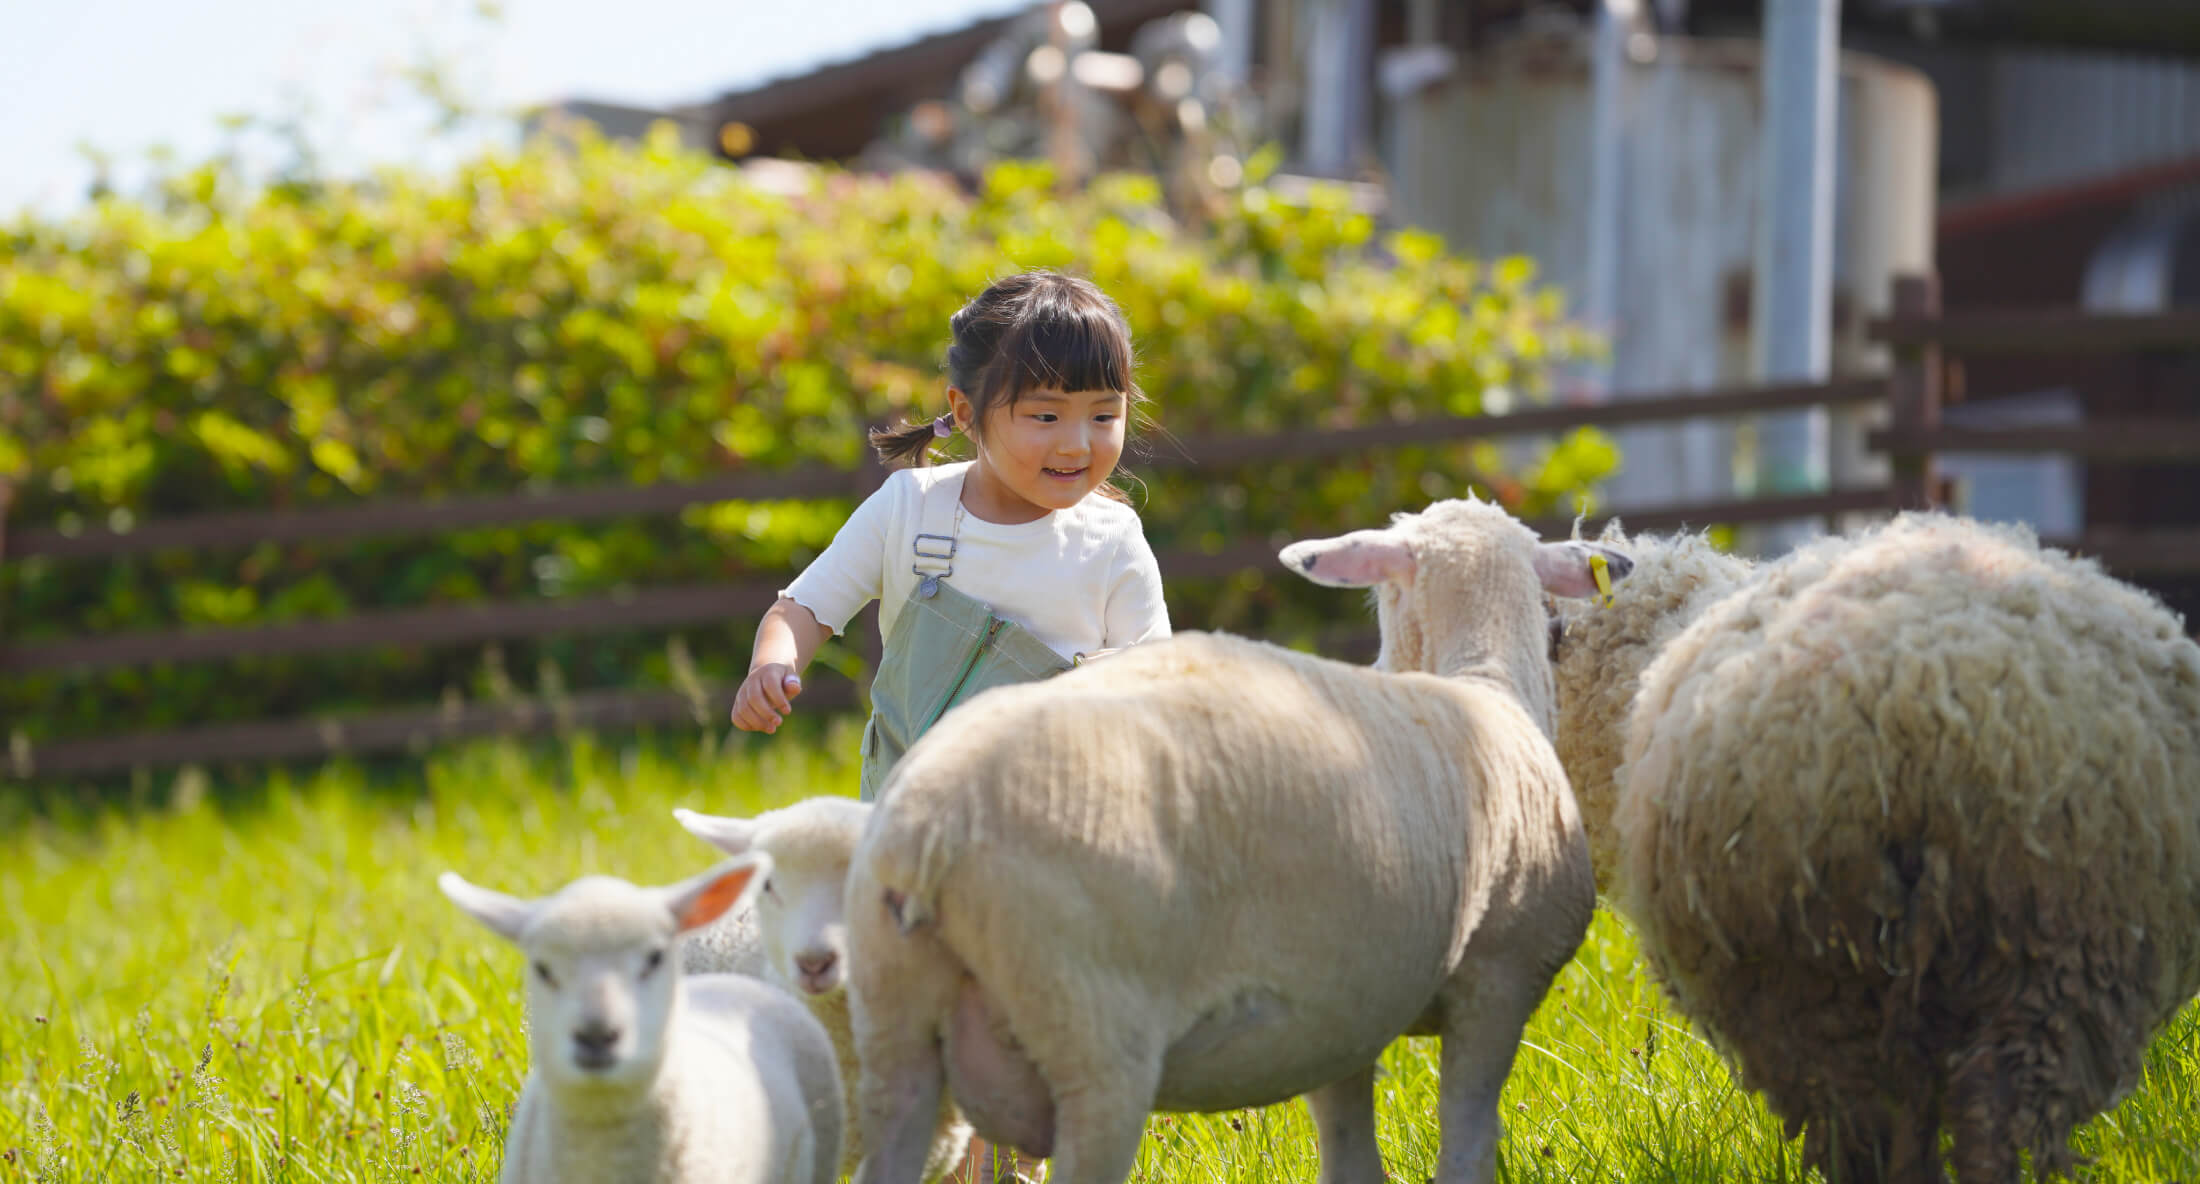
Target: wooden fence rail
[
  {"x": 432, "y": 515},
  {"x": 1917, "y": 333},
  {"x": 445, "y": 515},
  {"x": 2036, "y": 331}
]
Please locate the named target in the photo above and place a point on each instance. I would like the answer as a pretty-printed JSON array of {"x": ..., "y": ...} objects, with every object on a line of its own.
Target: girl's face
[{"x": 1042, "y": 452}]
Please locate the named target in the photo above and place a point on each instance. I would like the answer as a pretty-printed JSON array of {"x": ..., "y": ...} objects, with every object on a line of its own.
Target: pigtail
[{"x": 904, "y": 445}]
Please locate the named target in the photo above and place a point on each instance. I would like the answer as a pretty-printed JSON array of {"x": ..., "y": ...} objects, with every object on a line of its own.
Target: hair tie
[{"x": 944, "y": 426}]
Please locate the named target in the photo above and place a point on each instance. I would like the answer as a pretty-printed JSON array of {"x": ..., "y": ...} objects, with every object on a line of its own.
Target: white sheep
[
  {"x": 640, "y": 1074},
  {"x": 1210, "y": 873},
  {"x": 1601, "y": 649},
  {"x": 797, "y": 929},
  {"x": 1910, "y": 823}
]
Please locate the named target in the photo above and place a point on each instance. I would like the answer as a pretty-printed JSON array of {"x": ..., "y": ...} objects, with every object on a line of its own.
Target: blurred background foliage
[{"x": 576, "y": 312}]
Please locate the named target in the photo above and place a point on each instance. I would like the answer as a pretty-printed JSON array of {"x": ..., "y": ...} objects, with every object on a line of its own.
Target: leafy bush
[{"x": 581, "y": 312}]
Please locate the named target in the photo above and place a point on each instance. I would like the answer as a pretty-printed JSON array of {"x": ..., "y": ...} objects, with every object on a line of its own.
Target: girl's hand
[{"x": 766, "y": 697}]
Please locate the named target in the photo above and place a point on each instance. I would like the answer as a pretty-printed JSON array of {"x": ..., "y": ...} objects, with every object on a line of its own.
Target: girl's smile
[{"x": 1042, "y": 451}]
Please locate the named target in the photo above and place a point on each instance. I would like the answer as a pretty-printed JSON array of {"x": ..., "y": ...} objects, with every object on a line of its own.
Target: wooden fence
[{"x": 1911, "y": 391}]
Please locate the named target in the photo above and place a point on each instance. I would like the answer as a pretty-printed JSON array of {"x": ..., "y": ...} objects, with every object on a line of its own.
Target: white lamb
[
  {"x": 1909, "y": 822},
  {"x": 1210, "y": 873},
  {"x": 639, "y": 1074},
  {"x": 797, "y": 929}
]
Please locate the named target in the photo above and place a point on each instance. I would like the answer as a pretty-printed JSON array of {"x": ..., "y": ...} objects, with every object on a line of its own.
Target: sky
[{"x": 124, "y": 76}]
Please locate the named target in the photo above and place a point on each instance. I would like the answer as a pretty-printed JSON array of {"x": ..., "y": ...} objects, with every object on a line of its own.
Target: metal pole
[
  {"x": 1607, "y": 145},
  {"x": 1339, "y": 53},
  {"x": 1792, "y": 300},
  {"x": 1235, "y": 18}
]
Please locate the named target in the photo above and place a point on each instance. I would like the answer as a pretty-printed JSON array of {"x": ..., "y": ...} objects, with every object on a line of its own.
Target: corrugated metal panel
[
  {"x": 1497, "y": 160},
  {"x": 2060, "y": 117}
]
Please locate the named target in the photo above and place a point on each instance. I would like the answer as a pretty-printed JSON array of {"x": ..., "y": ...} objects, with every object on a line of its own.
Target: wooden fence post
[
  {"x": 1913, "y": 397},
  {"x": 15, "y": 756},
  {"x": 7, "y": 499}
]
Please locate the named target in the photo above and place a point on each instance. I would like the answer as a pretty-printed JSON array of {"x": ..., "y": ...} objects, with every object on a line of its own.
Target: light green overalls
[{"x": 945, "y": 646}]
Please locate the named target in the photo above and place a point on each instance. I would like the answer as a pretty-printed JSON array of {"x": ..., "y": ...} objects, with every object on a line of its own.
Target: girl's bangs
[{"x": 1083, "y": 351}]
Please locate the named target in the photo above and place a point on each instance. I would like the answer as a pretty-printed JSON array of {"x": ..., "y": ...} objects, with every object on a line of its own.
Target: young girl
[{"x": 1006, "y": 568}]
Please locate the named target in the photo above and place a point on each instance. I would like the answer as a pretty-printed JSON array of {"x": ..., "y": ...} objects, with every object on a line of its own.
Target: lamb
[
  {"x": 640, "y": 1074},
  {"x": 1211, "y": 873},
  {"x": 1910, "y": 824},
  {"x": 797, "y": 929}
]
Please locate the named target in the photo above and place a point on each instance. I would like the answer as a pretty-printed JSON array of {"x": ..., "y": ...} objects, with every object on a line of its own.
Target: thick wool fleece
[
  {"x": 1600, "y": 658},
  {"x": 1911, "y": 825}
]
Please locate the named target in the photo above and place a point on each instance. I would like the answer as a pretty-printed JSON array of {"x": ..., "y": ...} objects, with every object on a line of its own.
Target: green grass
[{"x": 261, "y": 982}]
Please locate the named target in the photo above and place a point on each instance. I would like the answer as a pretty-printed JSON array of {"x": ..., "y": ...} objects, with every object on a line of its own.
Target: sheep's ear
[
  {"x": 698, "y": 901},
  {"x": 1568, "y": 569},
  {"x": 733, "y": 836},
  {"x": 1361, "y": 559},
  {"x": 506, "y": 916}
]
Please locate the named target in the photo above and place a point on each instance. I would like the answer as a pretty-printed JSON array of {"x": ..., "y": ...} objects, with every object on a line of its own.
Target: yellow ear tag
[{"x": 1600, "y": 568}]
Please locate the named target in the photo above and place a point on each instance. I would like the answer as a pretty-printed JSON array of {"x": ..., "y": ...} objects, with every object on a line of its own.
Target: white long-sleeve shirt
[{"x": 1081, "y": 579}]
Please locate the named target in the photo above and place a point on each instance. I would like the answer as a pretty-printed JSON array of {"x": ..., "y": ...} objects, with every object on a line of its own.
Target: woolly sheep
[
  {"x": 640, "y": 1074},
  {"x": 1600, "y": 654},
  {"x": 1910, "y": 823},
  {"x": 1210, "y": 873},
  {"x": 798, "y": 929}
]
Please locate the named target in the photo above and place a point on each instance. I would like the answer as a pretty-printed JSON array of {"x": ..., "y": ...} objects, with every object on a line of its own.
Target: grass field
[{"x": 262, "y": 983}]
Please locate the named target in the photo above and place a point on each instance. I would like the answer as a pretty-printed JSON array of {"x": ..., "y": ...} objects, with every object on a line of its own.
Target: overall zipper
[{"x": 993, "y": 626}]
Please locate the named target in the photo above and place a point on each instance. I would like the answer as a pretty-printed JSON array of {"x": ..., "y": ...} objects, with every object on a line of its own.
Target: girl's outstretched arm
[{"x": 785, "y": 641}]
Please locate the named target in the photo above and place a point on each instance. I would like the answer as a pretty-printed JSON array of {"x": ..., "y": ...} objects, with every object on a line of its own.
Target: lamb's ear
[
  {"x": 699, "y": 900},
  {"x": 1568, "y": 569},
  {"x": 1361, "y": 559},
  {"x": 506, "y": 916},
  {"x": 734, "y": 836}
]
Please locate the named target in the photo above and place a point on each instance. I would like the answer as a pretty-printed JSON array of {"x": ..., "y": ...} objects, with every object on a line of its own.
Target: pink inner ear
[
  {"x": 1564, "y": 570},
  {"x": 1364, "y": 558},
  {"x": 712, "y": 902}
]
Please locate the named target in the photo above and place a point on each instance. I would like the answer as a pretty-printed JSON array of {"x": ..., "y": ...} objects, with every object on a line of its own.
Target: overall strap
[{"x": 938, "y": 516}]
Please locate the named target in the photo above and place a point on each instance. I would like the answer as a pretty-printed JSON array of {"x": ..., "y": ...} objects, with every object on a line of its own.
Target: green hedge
[{"x": 584, "y": 312}]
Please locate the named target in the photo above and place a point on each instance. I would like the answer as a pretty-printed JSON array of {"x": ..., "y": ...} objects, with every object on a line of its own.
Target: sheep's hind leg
[
  {"x": 1981, "y": 1099},
  {"x": 1483, "y": 1018},
  {"x": 1100, "y": 1115},
  {"x": 1914, "y": 1149},
  {"x": 1344, "y": 1123},
  {"x": 899, "y": 998},
  {"x": 1887, "y": 1139},
  {"x": 901, "y": 1105}
]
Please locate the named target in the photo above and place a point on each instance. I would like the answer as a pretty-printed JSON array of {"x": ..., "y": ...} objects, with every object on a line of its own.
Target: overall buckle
[{"x": 929, "y": 586}]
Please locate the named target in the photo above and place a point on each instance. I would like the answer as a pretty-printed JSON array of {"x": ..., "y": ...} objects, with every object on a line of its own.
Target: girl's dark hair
[{"x": 1038, "y": 330}]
